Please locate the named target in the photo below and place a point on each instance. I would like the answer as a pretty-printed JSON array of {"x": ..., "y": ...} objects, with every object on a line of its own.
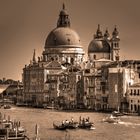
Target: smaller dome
[{"x": 99, "y": 46}]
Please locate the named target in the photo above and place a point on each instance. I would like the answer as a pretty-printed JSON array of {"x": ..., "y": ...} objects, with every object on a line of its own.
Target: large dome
[
  {"x": 99, "y": 46},
  {"x": 62, "y": 36}
]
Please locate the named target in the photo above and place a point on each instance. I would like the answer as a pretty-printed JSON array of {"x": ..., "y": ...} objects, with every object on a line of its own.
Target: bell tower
[{"x": 115, "y": 48}]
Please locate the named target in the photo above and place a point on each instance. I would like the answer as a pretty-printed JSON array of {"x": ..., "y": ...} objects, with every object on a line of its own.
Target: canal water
[{"x": 127, "y": 129}]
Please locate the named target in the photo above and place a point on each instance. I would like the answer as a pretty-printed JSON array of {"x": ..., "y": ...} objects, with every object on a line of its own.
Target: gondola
[
  {"x": 72, "y": 125},
  {"x": 64, "y": 126},
  {"x": 59, "y": 127}
]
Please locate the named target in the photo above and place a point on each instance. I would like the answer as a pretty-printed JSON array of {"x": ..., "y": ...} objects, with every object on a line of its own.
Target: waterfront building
[
  {"x": 102, "y": 50},
  {"x": 108, "y": 86},
  {"x": 3, "y": 87},
  {"x": 134, "y": 98},
  {"x": 61, "y": 77},
  {"x": 33, "y": 81},
  {"x": 119, "y": 80},
  {"x": 9, "y": 89},
  {"x": 71, "y": 88}
]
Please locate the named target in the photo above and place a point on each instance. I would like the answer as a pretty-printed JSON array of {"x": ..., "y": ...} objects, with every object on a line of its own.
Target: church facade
[{"x": 61, "y": 77}]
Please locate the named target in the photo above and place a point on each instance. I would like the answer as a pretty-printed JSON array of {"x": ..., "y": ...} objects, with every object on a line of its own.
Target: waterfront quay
[{"x": 127, "y": 129}]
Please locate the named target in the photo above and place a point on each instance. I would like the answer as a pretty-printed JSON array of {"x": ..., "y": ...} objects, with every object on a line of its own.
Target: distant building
[
  {"x": 9, "y": 89},
  {"x": 3, "y": 87}
]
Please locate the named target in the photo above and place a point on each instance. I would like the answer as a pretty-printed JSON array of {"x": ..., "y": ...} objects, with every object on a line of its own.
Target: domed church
[
  {"x": 63, "y": 43},
  {"x": 47, "y": 79},
  {"x": 104, "y": 49}
]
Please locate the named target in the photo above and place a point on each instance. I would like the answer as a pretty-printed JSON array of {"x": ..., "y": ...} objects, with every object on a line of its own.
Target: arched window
[
  {"x": 94, "y": 57},
  {"x": 72, "y": 60},
  {"x": 138, "y": 92},
  {"x": 135, "y": 108},
  {"x": 131, "y": 107},
  {"x": 134, "y": 92},
  {"x": 131, "y": 92}
]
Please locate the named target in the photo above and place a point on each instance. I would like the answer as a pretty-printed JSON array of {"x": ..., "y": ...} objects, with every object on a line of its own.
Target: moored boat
[
  {"x": 8, "y": 133},
  {"x": 6, "y": 106},
  {"x": 14, "y": 138},
  {"x": 11, "y": 130}
]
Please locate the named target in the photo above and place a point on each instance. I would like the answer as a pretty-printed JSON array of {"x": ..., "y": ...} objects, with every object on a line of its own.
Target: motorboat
[
  {"x": 50, "y": 107},
  {"x": 117, "y": 113},
  {"x": 111, "y": 119}
]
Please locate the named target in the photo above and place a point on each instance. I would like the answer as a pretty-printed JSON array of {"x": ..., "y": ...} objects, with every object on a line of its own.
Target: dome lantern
[
  {"x": 63, "y": 20},
  {"x": 98, "y": 32}
]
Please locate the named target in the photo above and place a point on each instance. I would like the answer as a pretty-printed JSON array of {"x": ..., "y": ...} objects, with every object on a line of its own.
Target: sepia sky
[{"x": 25, "y": 24}]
